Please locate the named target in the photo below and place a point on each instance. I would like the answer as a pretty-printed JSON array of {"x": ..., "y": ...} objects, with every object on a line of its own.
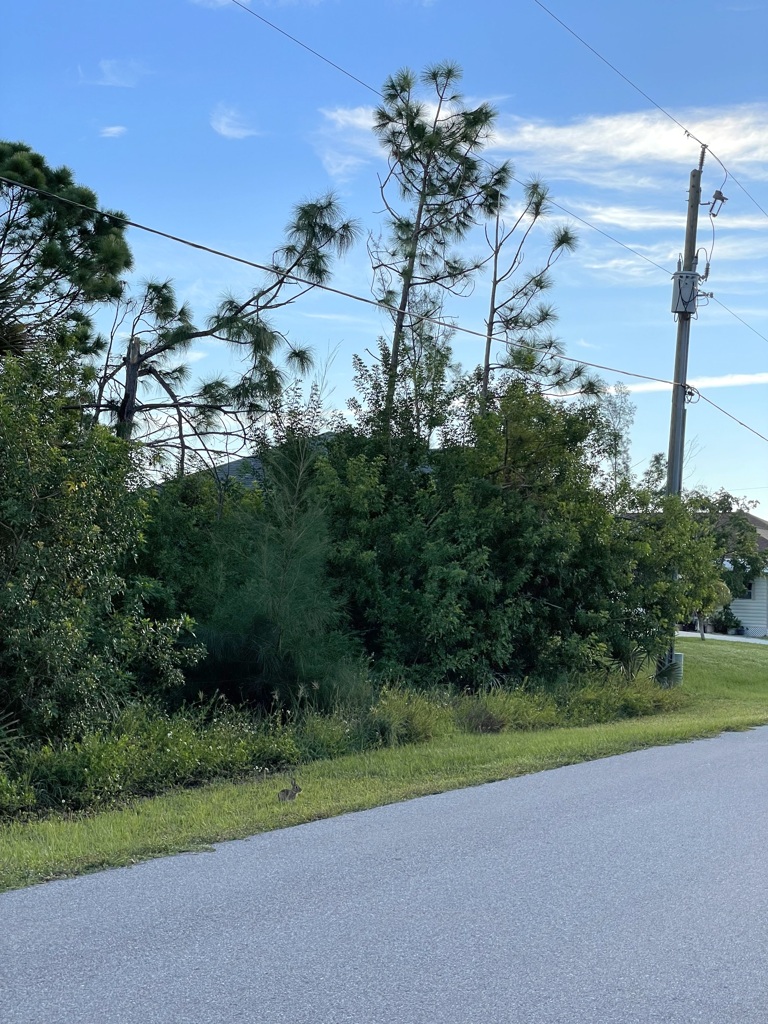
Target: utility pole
[
  {"x": 684, "y": 306},
  {"x": 684, "y": 295}
]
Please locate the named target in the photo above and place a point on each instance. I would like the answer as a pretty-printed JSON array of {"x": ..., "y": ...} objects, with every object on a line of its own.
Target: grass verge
[{"x": 726, "y": 688}]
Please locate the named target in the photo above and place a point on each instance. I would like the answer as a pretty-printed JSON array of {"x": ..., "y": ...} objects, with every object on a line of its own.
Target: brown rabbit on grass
[{"x": 289, "y": 794}]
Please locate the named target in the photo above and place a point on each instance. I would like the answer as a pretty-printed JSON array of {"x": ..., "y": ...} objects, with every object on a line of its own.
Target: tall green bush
[
  {"x": 490, "y": 558},
  {"x": 74, "y": 636},
  {"x": 250, "y": 564}
]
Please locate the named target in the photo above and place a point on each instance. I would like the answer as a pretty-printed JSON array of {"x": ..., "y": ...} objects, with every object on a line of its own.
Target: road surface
[{"x": 631, "y": 889}]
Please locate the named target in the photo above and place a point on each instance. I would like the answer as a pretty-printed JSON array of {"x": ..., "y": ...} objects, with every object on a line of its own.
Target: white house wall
[{"x": 754, "y": 613}]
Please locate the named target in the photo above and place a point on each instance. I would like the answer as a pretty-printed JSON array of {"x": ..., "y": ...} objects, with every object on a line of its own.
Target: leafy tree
[
  {"x": 436, "y": 173},
  {"x": 74, "y": 636},
  {"x": 674, "y": 572},
  {"x": 739, "y": 560},
  {"x": 56, "y": 259},
  {"x": 722, "y": 521},
  {"x": 497, "y": 555},
  {"x": 611, "y": 440},
  {"x": 486, "y": 559}
]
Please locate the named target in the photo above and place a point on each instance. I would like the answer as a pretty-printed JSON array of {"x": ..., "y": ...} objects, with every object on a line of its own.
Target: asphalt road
[{"x": 632, "y": 889}]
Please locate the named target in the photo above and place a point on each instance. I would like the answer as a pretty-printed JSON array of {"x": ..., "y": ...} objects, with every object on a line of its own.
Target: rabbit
[{"x": 289, "y": 794}]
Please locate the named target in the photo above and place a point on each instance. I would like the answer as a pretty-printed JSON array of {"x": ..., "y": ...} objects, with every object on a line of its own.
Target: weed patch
[{"x": 404, "y": 716}]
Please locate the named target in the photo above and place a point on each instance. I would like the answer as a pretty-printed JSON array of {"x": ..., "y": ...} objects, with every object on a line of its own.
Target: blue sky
[{"x": 195, "y": 117}]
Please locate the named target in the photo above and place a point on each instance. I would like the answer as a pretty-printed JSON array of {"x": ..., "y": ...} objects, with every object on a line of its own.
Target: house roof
[
  {"x": 762, "y": 531},
  {"x": 247, "y": 470}
]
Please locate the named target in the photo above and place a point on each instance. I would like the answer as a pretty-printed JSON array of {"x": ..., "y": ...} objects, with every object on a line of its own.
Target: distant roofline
[{"x": 762, "y": 530}]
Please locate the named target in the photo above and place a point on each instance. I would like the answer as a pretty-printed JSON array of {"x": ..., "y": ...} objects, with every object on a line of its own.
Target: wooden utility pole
[
  {"x": 684, "y": 307},
  {"x": 684, "y": 295}
]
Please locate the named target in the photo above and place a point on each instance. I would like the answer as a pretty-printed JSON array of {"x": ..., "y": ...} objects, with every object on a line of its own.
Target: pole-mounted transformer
[{"x": 685, "y": 289}]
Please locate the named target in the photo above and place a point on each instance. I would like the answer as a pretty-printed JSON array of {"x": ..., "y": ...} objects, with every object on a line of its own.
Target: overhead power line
[
  {"x": 688, "y": 132},
  {"x": 113, "y": 218},
  {"x": 297, "y": 278},
  {"x": 749, "y": 326},
  {"x": 600, "y": 231},
  {"x": 614, "y": 69},
  {"x": 565, "y": 210},
  {"x": 730, "y": 415},
  {"x": 338, "y": 67}
]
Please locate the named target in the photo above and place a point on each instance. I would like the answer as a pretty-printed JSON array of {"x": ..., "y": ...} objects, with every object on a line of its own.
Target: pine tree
[
  {"x": 160, "y": 332},
  {"x": 436, "y": 189},
  {"x": 517, "y": 317},
  {"x": 56, "y": 259}
]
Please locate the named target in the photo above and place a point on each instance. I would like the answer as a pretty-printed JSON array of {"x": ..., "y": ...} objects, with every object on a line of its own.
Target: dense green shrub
[
  {"x": 724, "y": 619},
  {"x": 248, "y": 562},
  {"x": 16, "y": 795},
  {"x": 75, "y": 638},
  {"x": 495, "y": 555},
  {"x": 490, "y": 557}
]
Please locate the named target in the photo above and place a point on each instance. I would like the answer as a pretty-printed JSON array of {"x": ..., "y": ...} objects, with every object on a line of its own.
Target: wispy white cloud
[
  {"x": 121, "y": 74},
  {"x": 358, "y": 119},
  {"x": 726, "y": 380},
  {"x": 341, "y": 166},
  {"x": 623, "y": 152},
  {"x": 227, "y": 121},
  {"x": 592, "y": 148},
  {"x": 632, "y": 218},
  {"x": 339, "y": 318},
  {"x": 195, "y": 356},
  {"x": 728, "y": 249},
  {"x": 113, "y": 131},
  {"x": 628, "y": 268},
  {"x": 345, "y": 142},
  {"x": 732, "y": 247},
  {"x": 640, "y": 218},
  {"x": 630, "y": 177}
]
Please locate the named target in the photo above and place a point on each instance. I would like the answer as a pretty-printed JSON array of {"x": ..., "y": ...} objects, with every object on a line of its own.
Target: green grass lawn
[{"x": 726, "y": 687}]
